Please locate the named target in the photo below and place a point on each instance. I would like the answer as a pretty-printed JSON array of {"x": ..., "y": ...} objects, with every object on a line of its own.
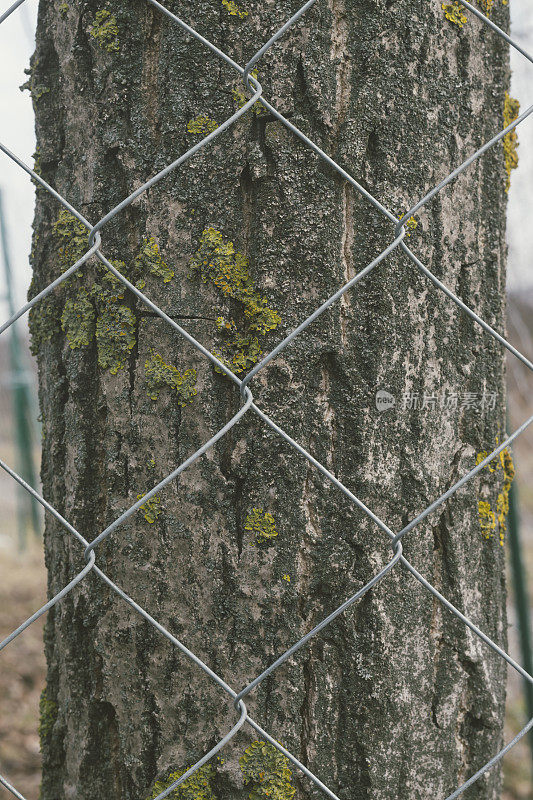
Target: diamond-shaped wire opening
[{"x": 266, "y": 419}]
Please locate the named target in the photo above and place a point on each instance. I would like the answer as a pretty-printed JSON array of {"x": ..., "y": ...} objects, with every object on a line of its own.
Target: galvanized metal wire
[{"x": 248, "y": 406}]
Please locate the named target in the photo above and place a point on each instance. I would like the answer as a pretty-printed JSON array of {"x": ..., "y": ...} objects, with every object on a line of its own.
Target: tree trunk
[{"x": 396, "y": 698}]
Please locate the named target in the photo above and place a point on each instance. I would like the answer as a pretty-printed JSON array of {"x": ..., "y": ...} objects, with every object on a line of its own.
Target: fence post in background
[
  {"x": 23, "y": 404},
  {"x": 521, "y": 599}
]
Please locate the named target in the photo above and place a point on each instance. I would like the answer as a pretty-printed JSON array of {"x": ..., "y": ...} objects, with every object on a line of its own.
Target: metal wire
[{"x": 248, "y": 405}]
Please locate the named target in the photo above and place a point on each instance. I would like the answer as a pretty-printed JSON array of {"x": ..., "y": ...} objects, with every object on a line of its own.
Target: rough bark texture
[{"x": 396, "y": 699}]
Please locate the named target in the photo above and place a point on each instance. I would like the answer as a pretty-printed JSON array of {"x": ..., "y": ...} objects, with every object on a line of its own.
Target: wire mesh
[{"x": 248, "y": 405}]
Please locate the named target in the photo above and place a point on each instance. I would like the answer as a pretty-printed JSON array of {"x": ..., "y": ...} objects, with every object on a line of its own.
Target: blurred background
[{"x": 22, "y": 572}]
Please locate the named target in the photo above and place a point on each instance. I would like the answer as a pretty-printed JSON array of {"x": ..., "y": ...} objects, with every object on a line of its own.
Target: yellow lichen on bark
[
  {"x": 511, "y": 110},
  {"x": 489, "y": 519},
  {"x": 454, "y": 13},
  {"x": 233, "y": 9}
]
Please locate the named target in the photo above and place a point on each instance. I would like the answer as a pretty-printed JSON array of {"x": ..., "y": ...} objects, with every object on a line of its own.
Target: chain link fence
[{"x": 248, "y": 406}]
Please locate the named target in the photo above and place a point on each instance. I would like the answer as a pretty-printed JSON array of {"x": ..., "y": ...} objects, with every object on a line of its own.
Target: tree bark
[{"x": 396, "y": 698}]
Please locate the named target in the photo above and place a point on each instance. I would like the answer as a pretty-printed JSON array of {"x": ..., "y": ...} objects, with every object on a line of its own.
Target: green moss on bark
[
  {"x": 218, "y": 262},
  {"x": 150, "y": 260},
  {"x": 105, "y": 31},
  {"x": 47, "y": 716},
  {"x": 72, "y": 238},
  {"x": 159, "y": 375},
  {"x": 77, "y": 320},
  {"x": 116, "y": 329}
]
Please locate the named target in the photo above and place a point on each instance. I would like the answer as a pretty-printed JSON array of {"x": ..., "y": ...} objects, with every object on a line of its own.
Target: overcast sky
[{"x": 16, "y": 132}]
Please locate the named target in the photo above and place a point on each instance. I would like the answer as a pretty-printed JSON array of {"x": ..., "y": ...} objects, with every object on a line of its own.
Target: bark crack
[
  {"x": 347, "y": 240},
  {"x": 150, "y": 73},
  {"x": 175, "y": 316},
  {"x": 343, "y": 72}
]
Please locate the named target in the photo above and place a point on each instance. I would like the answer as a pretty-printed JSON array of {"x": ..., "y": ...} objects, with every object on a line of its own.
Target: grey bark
[{"x": 396, "y": 699}]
